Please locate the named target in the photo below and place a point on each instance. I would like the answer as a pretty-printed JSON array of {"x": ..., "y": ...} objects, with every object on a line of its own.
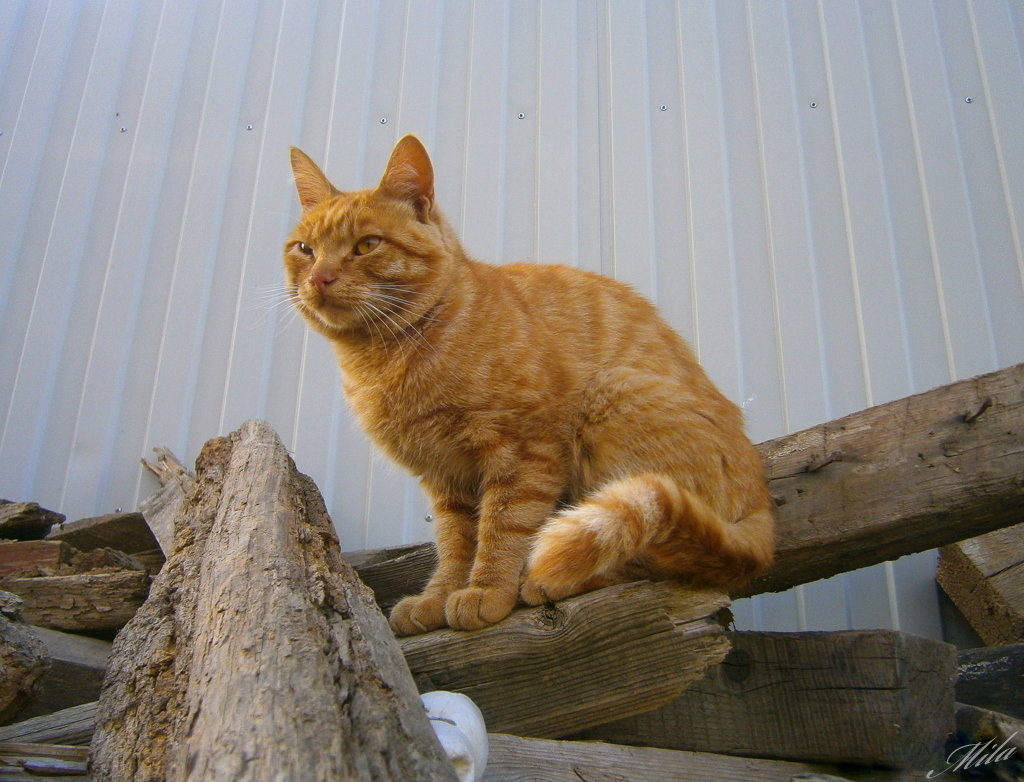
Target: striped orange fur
[{"x": 566, "y": 436}]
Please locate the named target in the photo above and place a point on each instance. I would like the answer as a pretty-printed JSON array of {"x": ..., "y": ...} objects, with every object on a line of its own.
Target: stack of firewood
[{"x": 262, "y": 652}]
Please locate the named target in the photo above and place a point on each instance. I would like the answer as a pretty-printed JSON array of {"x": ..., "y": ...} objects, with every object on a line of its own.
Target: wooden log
[
  {"x": 992, "y": 678},
  {"x": 875, "y": 698},
  {"x": 78, "y": 664},
  {"x": 26, "y": 520},
  {"x": 895, "y": 479},
  {"x": 74, "y": 725},
  {"x": 30, "y": 557},
  {"x": 984, "y": 577},
  {"x": 516, "y": 759},
  {"x": 259, "y": 655},
  {"x": 553, "y": 670},
  {"x": 87, "y": 602},
  {"x": 161, "y": 508},
  {"x": 23, "y": 663}
]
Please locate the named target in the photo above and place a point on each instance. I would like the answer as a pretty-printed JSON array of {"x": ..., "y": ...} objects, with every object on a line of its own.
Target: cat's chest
[{"x": 416, "y": 427}]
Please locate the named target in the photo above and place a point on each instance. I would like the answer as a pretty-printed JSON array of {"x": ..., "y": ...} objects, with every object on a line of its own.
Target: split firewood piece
[
  {"x": 984, "y": 577},
  {"x": 554, "y": 670},
  {"x": 863, "y": 697},
  {"x": 26, "y": 520},
  {"x": 32, "y": 557},
  {"x": 23, "y": 661},
  {"x": 161, "y": 507},
  {"x": 259, "y": 654}
]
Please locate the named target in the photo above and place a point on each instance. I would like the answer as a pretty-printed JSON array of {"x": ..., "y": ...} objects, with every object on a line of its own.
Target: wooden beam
[
  {"x": 516, "y": 759},
  {"x": 259, "y": 654},
  {"x": 865, "y": 697},
  {"x": 30, "y": 557},
  {"x": 554, "y": 670},
  {"x": 161, "y": 508},
  {"x": 984, "y": 577},
  {"x": 74, "y": 725},
  {"x": 892, "y": 480},
  {"x": 78, "y": 664},
  {"x": 898, "y": 478},
  {"x": 126, "y": 532},
  {"x": 992, "y": 678}
]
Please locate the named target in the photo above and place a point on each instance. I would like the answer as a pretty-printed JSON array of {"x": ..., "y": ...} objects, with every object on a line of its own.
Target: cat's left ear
[
  {"x": 310, "y": 181},
  {"x": 409, "y": 175}
]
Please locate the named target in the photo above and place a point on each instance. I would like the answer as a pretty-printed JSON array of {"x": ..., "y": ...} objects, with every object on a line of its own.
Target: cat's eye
[
  {"x": 304, "y": 248},
  {"x": 366, "y": 245}
]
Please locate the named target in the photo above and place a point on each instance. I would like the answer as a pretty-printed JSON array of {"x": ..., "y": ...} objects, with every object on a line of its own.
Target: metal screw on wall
[{"x": 968, "y": 99}]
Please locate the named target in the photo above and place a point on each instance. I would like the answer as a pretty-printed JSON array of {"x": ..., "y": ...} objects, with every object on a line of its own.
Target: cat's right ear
[{"x": 310, "y": 182}]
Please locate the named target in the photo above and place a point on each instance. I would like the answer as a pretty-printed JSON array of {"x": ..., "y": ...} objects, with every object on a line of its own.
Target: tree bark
[{"x": 259, "y": 655}]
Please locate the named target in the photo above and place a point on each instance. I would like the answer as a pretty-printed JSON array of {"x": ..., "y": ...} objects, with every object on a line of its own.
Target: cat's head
[{"x": 370, "y": 262}]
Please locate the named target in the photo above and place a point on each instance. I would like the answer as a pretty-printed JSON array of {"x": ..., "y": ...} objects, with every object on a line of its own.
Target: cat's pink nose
[{"x": 321, "y": 279}]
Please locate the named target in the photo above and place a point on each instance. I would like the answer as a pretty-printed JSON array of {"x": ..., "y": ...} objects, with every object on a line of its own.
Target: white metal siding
[{"x": 823, "y": 197}]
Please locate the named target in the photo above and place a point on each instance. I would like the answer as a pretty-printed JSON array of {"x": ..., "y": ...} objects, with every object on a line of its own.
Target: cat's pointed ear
[
  {"x": 310, "y": 181},
  {"x": 409, "y": 175}
]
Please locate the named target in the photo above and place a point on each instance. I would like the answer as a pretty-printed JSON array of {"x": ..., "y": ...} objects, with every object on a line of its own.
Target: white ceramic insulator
[{"x": 460, "y": 728}]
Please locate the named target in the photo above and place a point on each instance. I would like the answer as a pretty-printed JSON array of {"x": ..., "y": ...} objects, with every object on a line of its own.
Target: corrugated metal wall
[{"x": 824, "y": 197}]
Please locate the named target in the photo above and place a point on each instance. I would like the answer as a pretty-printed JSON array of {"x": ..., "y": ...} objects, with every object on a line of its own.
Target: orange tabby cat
[{"x": 565, "y": 435}]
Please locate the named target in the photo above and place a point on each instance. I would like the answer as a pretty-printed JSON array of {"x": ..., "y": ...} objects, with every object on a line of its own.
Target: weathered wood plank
[
  {"x": 898, "y": 478},
  {"x": 992, "y": 678},
  {"x": 865, "y": 697},
  {"x": 26, "y": 520},
  {"x": 259, "y": 654},
  {"x": 29, "y": 557},
  {"x": 984, "y": 577},
  {"x": 554, "y": 670},
  {"x": 78, "y": 664},
  {"x": 74, "y": 725},
  {"x": 87, "y": 602},
  {"x": 895, "y": 479},
  {"x": 516, "y": 759}
]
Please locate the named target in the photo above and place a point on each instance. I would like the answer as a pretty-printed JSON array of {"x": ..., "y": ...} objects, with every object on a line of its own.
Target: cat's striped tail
[{"x": 646, "y": 525}]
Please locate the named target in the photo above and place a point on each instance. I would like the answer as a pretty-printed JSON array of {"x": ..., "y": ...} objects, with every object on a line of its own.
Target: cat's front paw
[
  {"x": 417, "y": 614},
  {"x": 475, "y": 607}
]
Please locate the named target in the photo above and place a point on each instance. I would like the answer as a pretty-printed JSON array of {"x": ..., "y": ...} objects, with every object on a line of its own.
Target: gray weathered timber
[
  {"x": 865, "y": 697},
  {"x": 76, "y": 672},
  {"x": 554, "y": 670},
  {"x": 892, "y": 480},
  {"x": 161, "y": 507},
  {"x": 992, "y": 678},
  {"x": 984, "y": 577},
  {"x": 74, "y": 725},
  {"x": 516, "y": 759},
  {"x": 259, "y": 654}
]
